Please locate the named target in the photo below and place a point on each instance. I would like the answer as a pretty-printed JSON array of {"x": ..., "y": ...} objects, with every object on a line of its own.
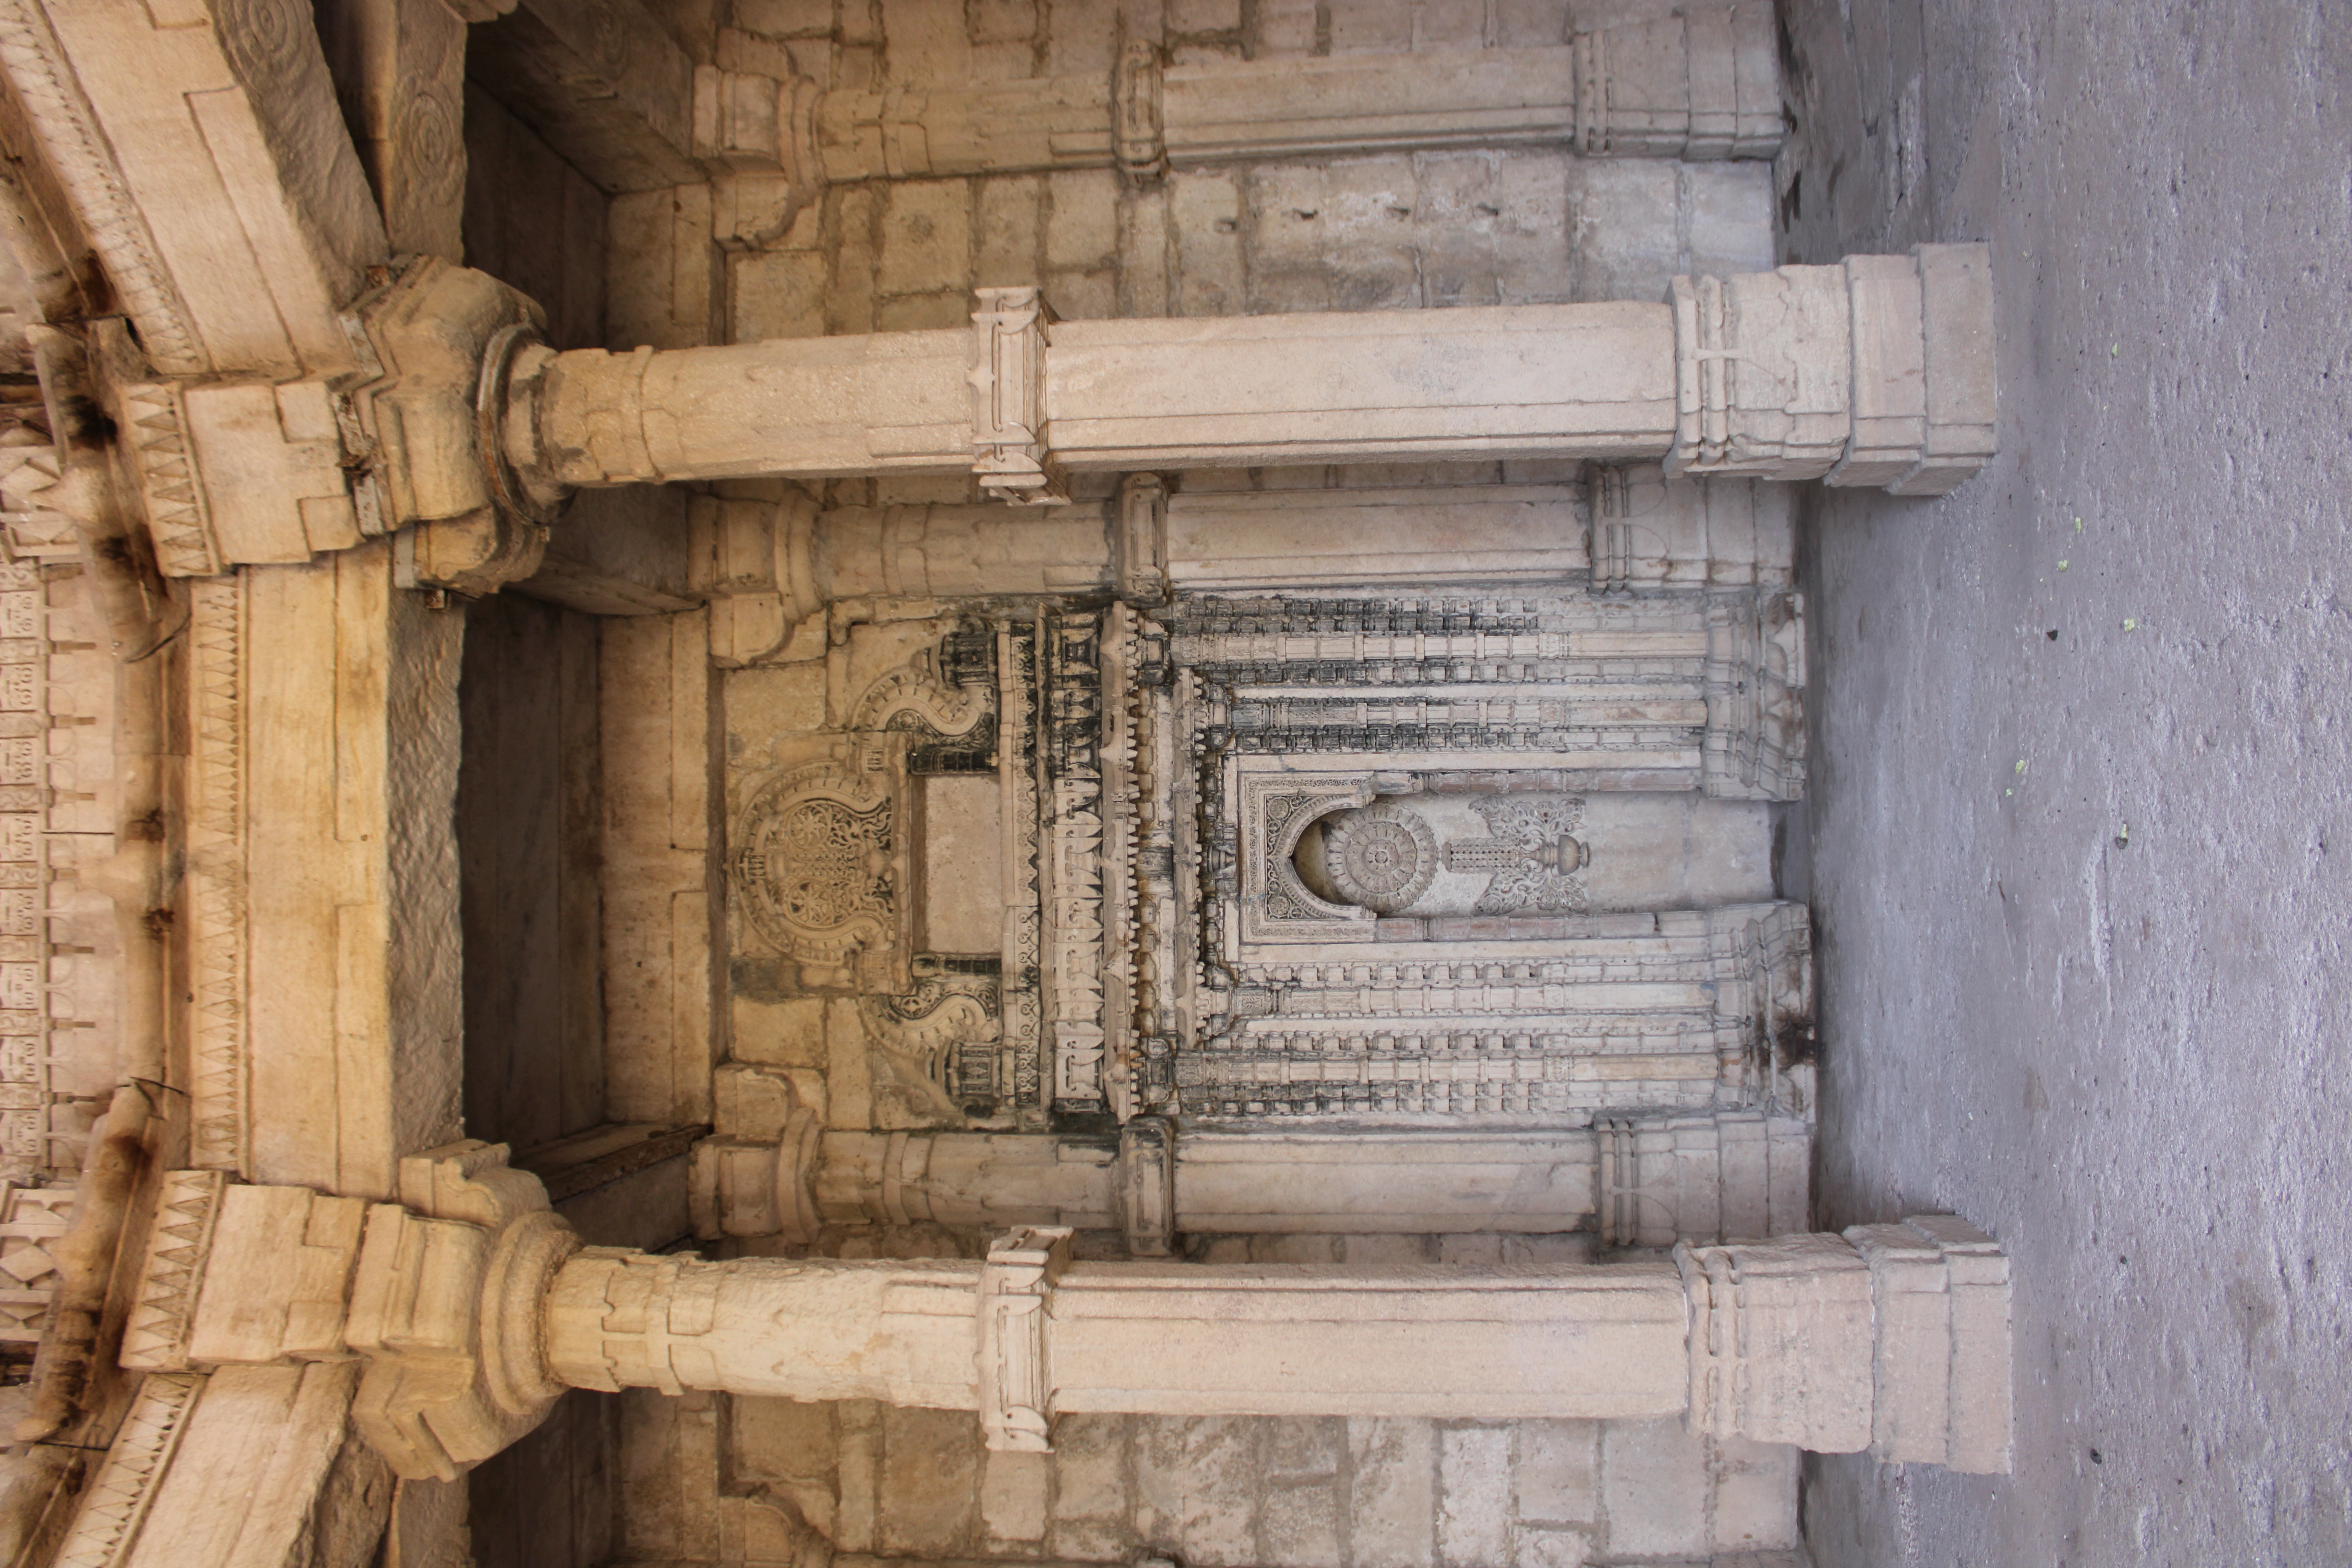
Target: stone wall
[
  {"x": 1398, "y": 231},
  {"x": 1207, "y": 1492},
  {"x": 709, "y": 1480}
]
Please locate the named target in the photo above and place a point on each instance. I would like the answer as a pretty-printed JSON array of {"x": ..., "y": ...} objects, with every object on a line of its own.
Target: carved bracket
[
  {"x": 1008, "y": 399},
  {"x": 747, "y": 1187},
  {"x": 442, "y": 1294},
  {"x": 1139, "y": 136},
  {"x": 1147, "y": 1185},
  {"x": 1140, "y": 542},
  {"x": 1015, "y": 1389},
  {"x": 447, "y": 1307}
]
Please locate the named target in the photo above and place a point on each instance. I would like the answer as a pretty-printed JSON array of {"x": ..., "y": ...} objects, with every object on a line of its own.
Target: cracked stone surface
[{"x": 2082, "y": 735}]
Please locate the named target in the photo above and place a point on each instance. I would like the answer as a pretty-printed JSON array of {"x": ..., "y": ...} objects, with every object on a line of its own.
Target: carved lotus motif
[{"x": 1382, "y": 857}]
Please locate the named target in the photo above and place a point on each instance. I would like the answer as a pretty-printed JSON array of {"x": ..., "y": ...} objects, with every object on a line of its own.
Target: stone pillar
[
  {"x": 1878, "y": 371},
  {"x": 471, "y": 1308},
  {"x": 1723, "y": 1176},
  {"x": 467, "y": 433},
  {"x": 1706, "y": 86},
  {"x": 1819, "y": 1341}
]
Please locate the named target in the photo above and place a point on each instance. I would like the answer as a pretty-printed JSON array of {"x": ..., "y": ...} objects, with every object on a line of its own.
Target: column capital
[
  {"x": 1776, "y": 1331},
  {"x": 441, "y": 1295},
  {"x": 1878, "y": 371}
]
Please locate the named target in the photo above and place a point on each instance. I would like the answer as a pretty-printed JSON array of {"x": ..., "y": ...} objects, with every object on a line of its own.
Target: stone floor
[{"x": 2081, "y": 752}]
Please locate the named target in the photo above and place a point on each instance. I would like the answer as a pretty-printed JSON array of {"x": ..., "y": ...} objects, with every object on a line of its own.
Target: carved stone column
[
  {"x": 1878, "y": 371},
  {"x": 1651, "y": 1182},
  {"x": 472, "y": 1307},
  {"x": 462, "y": 433},
  {"x": 1897, "y": 1337},
  {"x": 1704, "y": 86}
]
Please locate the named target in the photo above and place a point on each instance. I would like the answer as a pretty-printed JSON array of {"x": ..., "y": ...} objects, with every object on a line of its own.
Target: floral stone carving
[{"x": 814, "y": 864}]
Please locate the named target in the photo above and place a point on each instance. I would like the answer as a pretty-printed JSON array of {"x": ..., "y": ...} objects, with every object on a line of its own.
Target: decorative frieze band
[
  {"x": 115, "y": 1507},
  {"x": 156, "y": 1336}
]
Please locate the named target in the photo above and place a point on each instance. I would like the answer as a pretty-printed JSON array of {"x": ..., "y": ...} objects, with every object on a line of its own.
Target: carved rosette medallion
[
  {"x": 814, "y": 864},
  {"x": 1382, "y": 857}
]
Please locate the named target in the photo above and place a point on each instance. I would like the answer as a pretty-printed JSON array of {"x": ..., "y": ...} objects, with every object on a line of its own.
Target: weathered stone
[
  {"x": 1555, "y": 1477},
  {"x": 1392, "y": 1492},
  {"x": 1474, "y": 1483}
]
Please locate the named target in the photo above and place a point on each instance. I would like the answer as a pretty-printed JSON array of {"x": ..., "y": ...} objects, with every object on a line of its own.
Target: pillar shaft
[
  {"x": 472, "y": 1307},
  {"x": 1170, "y": 1339},
  {"x": 1900, "y": 1336},
  {"x": 1878, "y": 372}
]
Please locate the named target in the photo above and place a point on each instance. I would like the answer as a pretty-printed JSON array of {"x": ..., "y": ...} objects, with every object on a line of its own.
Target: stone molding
[
  {"x": 1139, "y": 131},
  {"x": 1008, "y": 399},
  {"x": 113, "y": 1511},
  {"x": 1704, "y": 88},
  {"x": 218, "y": 907}
]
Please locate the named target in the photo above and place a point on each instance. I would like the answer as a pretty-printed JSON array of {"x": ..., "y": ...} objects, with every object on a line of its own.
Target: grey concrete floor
[{"x": 2081, "y": 839}]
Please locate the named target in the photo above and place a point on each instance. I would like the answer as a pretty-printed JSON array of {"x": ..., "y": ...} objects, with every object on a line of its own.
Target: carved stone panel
[{"x": 817, "y": 862}]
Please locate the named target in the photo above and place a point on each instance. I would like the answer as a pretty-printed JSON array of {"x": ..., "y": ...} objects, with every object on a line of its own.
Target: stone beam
[
  {"x": 1718, "y": 1176},
  {"x": 471, "y": 1308},
  {"x": 319, "y": 907},
  {"x": 209, "y": 173},
  {"x": 1702, "y": 86},
  {"x": 600, "y": 81},
  {"x": 764, "y": 566}
]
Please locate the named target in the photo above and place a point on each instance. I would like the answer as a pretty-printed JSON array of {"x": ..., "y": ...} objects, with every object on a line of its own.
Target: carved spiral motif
[
  {"x": 262, "y": 40},
  {"x": 427, "y": 128},
  {"x": 1382, "y": 857}
]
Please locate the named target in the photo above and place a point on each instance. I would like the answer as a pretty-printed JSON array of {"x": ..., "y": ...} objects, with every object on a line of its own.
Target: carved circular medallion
[
  {"x": 1382, "y": 857},
  {"x": 812, "y": 859}
]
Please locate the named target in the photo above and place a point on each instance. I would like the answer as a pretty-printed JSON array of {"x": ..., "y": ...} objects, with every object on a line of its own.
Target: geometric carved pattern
[
  {"x": 216, "y": 870},
  {"x": 156, "y": 1336},
  {"x": 31, "y": 1220},
  {"x": 176, "y": 515},
  {"x": 1014, "y": 1284},
  {"x": 116, "y": 1505}
]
